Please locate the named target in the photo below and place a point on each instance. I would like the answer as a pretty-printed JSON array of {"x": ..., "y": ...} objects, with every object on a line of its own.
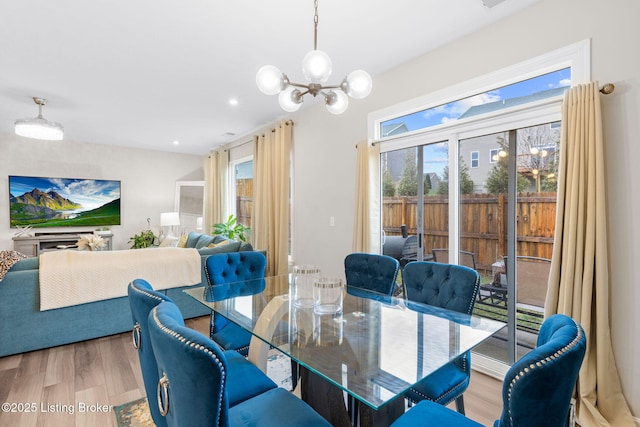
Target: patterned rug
[{"x": 136, "y": 413}]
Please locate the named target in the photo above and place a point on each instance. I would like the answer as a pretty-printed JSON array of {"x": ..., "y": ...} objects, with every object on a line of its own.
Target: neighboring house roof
[
  {"x": 394, "y": 129},
  {"x": 506, "y": 103}
]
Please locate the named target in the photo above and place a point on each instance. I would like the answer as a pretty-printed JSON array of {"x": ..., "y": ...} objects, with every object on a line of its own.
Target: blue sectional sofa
[{"x": 23, "y": 327}]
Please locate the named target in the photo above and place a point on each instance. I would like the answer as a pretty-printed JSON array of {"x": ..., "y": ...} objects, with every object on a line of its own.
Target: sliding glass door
[
  {"x": 485, "y": 200},
  {"x": 414, "y": 201}
]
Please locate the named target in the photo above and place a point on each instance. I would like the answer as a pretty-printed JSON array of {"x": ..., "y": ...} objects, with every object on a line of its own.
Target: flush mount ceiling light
[
  {"x": 316, "y": 67},
  {"x": 39, "y": 127}
]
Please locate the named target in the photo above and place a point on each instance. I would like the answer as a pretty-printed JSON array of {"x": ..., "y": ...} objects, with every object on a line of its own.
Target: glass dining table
[{"x": 374, "y": 349}]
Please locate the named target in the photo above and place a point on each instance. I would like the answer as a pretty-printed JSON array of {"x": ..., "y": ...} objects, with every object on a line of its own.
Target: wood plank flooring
[{"x": 79, "y": 384}]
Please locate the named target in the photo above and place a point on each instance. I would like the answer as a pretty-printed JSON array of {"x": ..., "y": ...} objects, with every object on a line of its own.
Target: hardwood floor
[{"x": 79, "y": 384}]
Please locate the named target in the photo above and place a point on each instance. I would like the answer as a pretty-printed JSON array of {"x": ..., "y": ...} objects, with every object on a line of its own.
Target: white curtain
[
  {"x": 367, "y": 180},
  {"x": 272, "y": 160},
  {"x": 579, "y": 277}
]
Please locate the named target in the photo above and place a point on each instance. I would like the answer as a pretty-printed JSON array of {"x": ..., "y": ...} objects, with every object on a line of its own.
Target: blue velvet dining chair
[
  {"x": 248, "y": 380},
  {"x": 453, "y": 287},
  {"x": 537, "y": 389},
  {"x": 370, "y": 272},
  {"x": 223, "y": 269},
  {"x": 194, "y": 378},
  {"x": 142, "y": 299}
]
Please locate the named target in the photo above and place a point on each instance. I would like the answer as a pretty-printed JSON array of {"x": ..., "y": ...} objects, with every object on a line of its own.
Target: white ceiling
[{"x": 143, "y": 73}]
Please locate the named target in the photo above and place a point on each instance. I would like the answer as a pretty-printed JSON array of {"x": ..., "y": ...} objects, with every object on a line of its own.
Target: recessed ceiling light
[
  {"x": 233, "y": 101},
  {"x": 176, "y": 142}
]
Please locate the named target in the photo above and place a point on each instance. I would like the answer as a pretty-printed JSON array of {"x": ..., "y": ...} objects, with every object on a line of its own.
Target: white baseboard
[{"x": 489, "y": 366}]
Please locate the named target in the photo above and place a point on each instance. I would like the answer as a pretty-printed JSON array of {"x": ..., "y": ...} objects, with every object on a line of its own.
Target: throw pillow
[
  {"x": 222, "y": 243},
  {"x": 169, "y": 242},
  {"x": 182, "y": 243},
  {"x": 192, "y": 239},
  {"x": 7, "y": 260},
  {"x": 203, "y": 241}
]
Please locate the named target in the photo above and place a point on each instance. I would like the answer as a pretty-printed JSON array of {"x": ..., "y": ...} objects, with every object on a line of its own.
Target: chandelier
[
  {"x": 316, "y": 68},
  {"x": 39, "y": 127}
]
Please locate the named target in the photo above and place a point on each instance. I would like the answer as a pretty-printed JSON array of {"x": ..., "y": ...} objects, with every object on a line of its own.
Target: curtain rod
[
  {"x": 287, "y": 123},
  {"x": 607, "y": 89}
]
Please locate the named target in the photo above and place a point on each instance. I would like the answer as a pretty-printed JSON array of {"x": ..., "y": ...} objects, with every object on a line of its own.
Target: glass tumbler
[
  {"x": 302, "y": 286},
  {"x": 328, "y": 295}
]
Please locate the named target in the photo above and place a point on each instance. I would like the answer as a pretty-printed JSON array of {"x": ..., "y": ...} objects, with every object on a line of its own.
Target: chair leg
[
  {"x": 295, "y": 374},
  {"x": 211, "y": 325},
  {"x": 460, "y": 404}
]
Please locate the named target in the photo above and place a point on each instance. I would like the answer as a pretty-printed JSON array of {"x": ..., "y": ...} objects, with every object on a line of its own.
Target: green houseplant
[
  {"x": 231, "y": 229},
  {"x": 145, "y": 239}
]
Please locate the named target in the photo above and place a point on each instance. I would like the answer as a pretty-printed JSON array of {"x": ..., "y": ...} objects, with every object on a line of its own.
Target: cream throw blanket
[{"x": 76, "y": 277}]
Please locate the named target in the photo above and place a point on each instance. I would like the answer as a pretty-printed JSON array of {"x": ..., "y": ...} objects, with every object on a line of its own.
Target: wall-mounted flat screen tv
[{"x": 63, "y": 202}]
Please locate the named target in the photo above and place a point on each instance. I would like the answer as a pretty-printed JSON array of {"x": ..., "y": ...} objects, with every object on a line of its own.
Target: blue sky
[{"x": 90, "y": 193}]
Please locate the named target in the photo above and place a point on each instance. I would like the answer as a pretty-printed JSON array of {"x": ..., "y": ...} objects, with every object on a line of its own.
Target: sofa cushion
[
  {"x": 245, "y": 246},
  {"x": 31, "y": 263},
  {"x": 219, "y": 239},
  {"x": 192, "y": 239},
  {"x": 204, "y": 241},
  {"x": 230, "y": 247}
]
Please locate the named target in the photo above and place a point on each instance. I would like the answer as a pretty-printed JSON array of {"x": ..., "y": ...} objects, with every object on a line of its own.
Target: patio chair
[
  {"x": 468, "y": 259},
  {"x": 537, "y": 389}
]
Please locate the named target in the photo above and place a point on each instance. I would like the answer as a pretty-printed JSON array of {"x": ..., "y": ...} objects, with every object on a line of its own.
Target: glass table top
[{"x": 374, "y": 349}]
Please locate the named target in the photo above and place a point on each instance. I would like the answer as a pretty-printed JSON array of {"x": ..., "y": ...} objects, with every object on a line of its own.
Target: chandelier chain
[{"x": 315, "y": 25}]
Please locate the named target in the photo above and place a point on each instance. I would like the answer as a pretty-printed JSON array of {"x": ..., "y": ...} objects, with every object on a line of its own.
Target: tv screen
[{"x": 63, "y": 202}]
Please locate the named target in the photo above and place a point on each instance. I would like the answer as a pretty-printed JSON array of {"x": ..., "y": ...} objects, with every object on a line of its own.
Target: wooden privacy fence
[{"x": 483, "y": 223}]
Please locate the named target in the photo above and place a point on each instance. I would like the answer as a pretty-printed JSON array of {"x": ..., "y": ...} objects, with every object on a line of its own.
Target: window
[
  {"x": 475, "y": 159},
  {"x": 543, "y": 86},
  {"x": 241, "y": 190},
  {"x": 520, "y": 131}
]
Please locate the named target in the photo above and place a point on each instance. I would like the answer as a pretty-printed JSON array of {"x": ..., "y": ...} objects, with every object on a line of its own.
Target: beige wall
[
  {"x": 325, "y": 153},
  {"x": 147, "y": 178}
]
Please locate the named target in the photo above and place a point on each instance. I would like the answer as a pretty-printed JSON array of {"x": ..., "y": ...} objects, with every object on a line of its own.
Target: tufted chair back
[
  {"x": 235, "y": 266},
  {"x": 455, "y": 288},
  {"x": 224, "y": 269},
  {"x": 537, "y": 389},
  {"x": 191, "y": 389},
  {"x": 196, "y": 375},
  {"x": 143, "y": 299},
  {"x": 370, "y": 272},
  {"x": 449, "y": 286}
]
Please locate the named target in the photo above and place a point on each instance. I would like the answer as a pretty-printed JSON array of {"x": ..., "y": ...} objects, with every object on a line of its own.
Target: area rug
[{"x": 136, "y": 413}]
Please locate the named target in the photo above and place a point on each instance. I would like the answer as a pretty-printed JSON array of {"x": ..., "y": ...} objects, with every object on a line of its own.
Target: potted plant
[
  {"x": 145, "y": 239},
  {"x": 231, "y": 229}
]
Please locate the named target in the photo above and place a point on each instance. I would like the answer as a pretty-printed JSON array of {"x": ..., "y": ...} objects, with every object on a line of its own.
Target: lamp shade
[
  {"x": 269, "y": 80},
  {"x": 316, "y": 66},
  {"x": 337, "y": 102},
  {"x": 168, "y": 219},
  {"x": 39, "y": 127},
  {"x": 359, "y": 84}
]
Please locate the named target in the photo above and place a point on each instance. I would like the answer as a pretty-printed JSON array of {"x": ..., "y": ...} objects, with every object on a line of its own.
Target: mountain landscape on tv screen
[{"x": 49, "y": 209}]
